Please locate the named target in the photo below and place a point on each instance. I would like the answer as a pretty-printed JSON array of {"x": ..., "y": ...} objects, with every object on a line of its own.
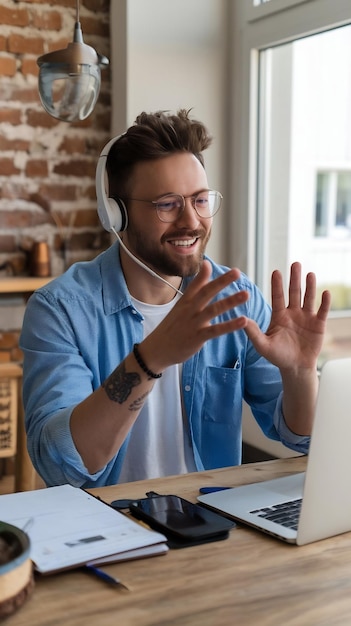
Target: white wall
[{"x": 176, "y": 57}]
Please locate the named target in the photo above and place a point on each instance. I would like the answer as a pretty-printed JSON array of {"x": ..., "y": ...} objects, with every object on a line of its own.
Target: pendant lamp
[{"x": 69, "y": 79}]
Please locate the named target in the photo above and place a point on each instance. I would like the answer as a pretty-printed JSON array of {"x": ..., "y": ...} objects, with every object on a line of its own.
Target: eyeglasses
[{"x": 169, "y": 207}]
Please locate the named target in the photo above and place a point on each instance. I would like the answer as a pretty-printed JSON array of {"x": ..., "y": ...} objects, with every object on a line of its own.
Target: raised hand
[
  {"x": 188, "y": 326},
  {"x": 295, "y": 335}
]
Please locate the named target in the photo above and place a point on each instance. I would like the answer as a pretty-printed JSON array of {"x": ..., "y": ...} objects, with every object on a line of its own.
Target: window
[
  {"x": 333, "y": 205},
  {"x": 292, "y": 149}
]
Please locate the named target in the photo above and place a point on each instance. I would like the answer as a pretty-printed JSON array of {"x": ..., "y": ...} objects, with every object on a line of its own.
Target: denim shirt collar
[{"x": 115, "y": 292}]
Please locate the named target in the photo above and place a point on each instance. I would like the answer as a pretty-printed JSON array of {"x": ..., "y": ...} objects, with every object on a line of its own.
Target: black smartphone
[{"x": 181, "y": 520}]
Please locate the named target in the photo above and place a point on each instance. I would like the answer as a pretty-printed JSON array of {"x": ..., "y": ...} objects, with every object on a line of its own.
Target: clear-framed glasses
[{"x": 169, "y": 207}]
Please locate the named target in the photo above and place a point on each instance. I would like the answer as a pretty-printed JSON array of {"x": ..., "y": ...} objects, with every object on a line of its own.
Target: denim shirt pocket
[{"x": 223, "y": 395}]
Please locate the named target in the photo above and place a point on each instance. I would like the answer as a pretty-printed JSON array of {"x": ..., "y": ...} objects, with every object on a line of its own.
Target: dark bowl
[{"x": 16, "y": 569}]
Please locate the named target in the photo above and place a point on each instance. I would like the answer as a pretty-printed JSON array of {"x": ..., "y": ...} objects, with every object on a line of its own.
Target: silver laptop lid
[
  {"x": 326, "y": 507},
  {"x": 326, "y": 488}
]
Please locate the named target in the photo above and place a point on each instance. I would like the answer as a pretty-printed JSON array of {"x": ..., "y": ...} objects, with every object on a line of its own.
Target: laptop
[{"x": 320, "y": 498}]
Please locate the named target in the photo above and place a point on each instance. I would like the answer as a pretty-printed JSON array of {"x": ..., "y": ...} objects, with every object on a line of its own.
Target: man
[{"x": 132, "y": 373}]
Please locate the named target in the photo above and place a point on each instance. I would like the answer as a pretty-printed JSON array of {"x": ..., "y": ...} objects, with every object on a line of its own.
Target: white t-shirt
[{"x": 159, "y": 444}]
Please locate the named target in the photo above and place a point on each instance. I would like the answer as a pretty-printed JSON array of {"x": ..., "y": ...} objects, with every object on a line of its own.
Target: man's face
[{"x": 171, "y": 249}]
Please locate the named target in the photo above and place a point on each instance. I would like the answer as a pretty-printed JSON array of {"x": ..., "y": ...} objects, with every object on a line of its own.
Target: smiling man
[{"x": 142, "y": 357}]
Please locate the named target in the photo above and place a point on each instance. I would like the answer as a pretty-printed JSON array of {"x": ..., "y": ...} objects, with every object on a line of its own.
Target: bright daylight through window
[{"x": 304, "y": 169}]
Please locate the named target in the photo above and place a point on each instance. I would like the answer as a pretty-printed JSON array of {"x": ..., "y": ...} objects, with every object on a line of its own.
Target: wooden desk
[{"x": 249, "y": 578}]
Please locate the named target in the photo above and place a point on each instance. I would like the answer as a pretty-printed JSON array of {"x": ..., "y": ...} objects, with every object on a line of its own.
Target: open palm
[{"x": 294, "y": 337}]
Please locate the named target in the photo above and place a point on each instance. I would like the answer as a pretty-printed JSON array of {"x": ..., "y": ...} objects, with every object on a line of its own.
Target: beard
[{"x": 160, "y": 261}]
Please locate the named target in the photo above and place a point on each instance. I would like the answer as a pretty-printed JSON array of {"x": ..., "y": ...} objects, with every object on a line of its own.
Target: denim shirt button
[{"x": 187, "y": 387}]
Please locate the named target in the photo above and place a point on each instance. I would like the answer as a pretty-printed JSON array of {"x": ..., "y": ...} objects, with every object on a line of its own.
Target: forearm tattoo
[
  {"x": 119, "y": 384},
  {"x": 138, "y": 403}
]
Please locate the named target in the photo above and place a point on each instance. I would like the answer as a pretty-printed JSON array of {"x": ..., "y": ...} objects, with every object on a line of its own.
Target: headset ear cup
[
  {"x": 113, "y": 214},
  {"x": 123, "y": 212}
]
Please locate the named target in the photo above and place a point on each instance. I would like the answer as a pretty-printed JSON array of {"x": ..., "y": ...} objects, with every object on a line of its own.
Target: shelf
[{"x": 22, "y": 284}]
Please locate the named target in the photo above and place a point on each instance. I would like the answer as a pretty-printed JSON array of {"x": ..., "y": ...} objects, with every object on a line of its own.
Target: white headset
[{"x": 111, "y": 211}]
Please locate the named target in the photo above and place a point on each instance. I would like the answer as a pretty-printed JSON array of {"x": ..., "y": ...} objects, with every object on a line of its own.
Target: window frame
[
  {"x": 254, "y": 29},
  {"x": 269, "y": 8}
]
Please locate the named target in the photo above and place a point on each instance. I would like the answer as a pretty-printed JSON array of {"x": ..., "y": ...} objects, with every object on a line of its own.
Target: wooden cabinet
[
  {"x": 12, "y": 432},
  {"x": 22, "y": 284}
]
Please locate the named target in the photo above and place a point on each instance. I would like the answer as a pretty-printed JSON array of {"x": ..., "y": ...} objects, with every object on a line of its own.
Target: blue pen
[
  {"x": 105, "y": 577},
  {"x": 212, "y": 489}
]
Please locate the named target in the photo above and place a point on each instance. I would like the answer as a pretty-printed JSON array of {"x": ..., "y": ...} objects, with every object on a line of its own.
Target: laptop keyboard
[{"x": 286, "y": 514}]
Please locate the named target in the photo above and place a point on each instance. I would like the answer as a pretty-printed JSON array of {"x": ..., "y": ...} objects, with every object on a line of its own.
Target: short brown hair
[{"x": 153, "y": 136}]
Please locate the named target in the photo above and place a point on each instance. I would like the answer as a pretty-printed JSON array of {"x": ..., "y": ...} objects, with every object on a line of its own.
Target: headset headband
[{"x": 111, "y": 210}]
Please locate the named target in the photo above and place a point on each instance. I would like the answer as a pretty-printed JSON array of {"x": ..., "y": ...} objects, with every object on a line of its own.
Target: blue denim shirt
[{"x": 80, "y": 326}]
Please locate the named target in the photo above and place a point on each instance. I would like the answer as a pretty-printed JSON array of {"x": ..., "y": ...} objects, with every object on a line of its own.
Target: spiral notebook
[{"x": 68, "y": 527}]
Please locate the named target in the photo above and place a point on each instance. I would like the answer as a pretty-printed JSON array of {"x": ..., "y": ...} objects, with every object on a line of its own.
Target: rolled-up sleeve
[
  {"x": 75, "y": 331},
  {"x": 299, "y": 443},
  {"x": 56, "y": 379}
]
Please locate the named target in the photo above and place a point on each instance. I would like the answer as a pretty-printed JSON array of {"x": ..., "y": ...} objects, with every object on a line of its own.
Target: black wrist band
[{"x": 142, "y": 364}]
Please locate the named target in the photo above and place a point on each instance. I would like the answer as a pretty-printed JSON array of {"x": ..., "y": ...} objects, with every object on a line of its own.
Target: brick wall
[{"x": 47, "y": 167}]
